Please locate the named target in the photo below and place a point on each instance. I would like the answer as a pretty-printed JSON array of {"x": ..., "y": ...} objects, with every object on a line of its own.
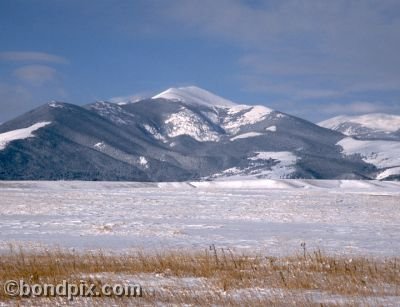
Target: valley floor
[
  {"x": 267, "y": 218},
  {"x": 270, "y": 216}
]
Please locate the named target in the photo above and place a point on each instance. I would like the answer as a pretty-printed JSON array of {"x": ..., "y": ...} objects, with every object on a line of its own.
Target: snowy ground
[{"x": 271, "y": 216}]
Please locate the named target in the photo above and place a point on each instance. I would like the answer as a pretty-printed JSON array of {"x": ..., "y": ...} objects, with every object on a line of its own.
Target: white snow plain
[{"x": 267, "y": 216}]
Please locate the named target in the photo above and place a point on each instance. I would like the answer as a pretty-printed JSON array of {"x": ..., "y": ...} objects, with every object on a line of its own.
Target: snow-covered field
[{"x": 271, "y": 216}]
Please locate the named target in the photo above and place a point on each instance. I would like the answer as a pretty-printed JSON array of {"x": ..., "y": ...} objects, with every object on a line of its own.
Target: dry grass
[{"x": 223, "y": 272}]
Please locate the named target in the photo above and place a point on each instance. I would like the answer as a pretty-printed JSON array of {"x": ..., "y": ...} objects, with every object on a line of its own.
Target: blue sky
[{"x": 313, "y": 59}]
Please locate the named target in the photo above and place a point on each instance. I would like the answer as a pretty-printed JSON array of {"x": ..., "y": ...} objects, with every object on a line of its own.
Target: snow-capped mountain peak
[{"x": 195, "y": 96}]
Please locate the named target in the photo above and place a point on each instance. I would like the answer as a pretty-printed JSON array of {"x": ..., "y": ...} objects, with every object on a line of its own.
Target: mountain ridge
[
  {"x": 366, "y": 126},
  {"x": 182, "y": 134}
]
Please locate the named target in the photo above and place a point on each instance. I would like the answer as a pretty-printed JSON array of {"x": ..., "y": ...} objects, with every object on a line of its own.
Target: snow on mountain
[
  {"x": 379, "y": 153},
  {"x": 112, "y": 112},
  {"x": 246, "y": 135},
  {"x": 99, "y": 145},
  {"x": 395, "y": 171},
  {"x": 143, "y": 162},
  {"x": 154, "y": 133},
  {"x": 262, "y": 165},
  {"x": 242, "y": 115},
  {"x": 194, "y": 95},
  {"x": 219, "y": 111},
  {"x": 186, "y": 122},
  {"x": 286, "y": 157},
  {"x": 282, "y": 169},
  {"x": 20, "y": 134},
  {"x": 271, "y": 128},
  {"x": 353, "y": 125},
  {"x": 383, "y": 154},
  {"x": 373, "y": 137},
  {"x": 55, "y": 104},
  {"x": 211, "y": 110}
]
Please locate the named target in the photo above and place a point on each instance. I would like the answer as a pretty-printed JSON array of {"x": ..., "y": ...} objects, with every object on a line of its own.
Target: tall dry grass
[{"x": 223, "y": 271}]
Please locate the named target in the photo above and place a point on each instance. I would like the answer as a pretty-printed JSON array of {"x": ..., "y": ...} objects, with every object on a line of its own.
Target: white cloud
[
  {"x": 36, "y": 75},
  {"x": 30, "y": 56}
]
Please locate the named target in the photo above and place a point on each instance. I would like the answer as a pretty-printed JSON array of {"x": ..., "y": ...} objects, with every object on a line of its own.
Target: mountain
[
  {"x": 368, "y": 126},
  {"x": 180, "y": 134},
  {"x": 374, "y": 137}
]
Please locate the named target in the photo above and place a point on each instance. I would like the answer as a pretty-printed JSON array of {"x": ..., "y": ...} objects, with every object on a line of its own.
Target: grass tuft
[{"x": 223, "y": 274}]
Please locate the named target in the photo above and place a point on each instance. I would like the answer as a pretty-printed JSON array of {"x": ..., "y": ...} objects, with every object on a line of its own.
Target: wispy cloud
[
  {"x": 36, "y": 75},
  {"x": 31, "y": 81},
  {"x": 356, "y": 107},
  {"x": 30, "y": 56},
  {"x": 304, "y": 49},
  {"x": 131, "y": 98}
]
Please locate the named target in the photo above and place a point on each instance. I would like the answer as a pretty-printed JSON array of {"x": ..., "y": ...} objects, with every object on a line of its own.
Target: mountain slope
[
  {"x": 228, "y": 136},
  {"x": 368, "y": 126},
  {"x": 179, "y": 134},
  {"x": 385, "y": 155},
  {"x": 78, "y": 144},
  {"x": 375, "y": 138}
]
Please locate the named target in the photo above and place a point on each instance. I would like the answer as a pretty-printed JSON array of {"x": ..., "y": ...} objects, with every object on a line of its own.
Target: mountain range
[{"x": 189, "y": 133}]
